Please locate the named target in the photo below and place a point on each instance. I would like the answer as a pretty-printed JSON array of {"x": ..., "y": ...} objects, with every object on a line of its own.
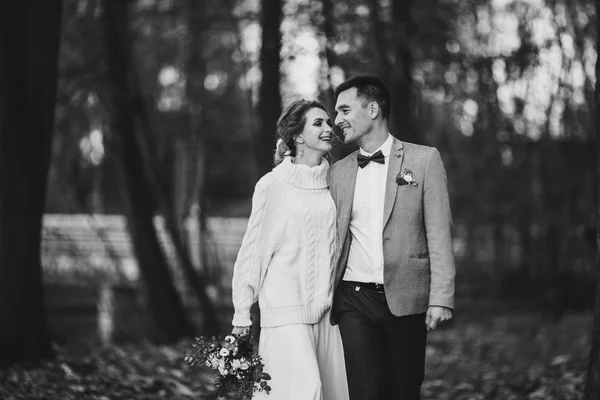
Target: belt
[{"x": 372, "y": 286}]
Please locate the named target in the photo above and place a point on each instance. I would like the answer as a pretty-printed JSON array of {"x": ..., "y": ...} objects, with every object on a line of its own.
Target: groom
[{"x": 395, "y": 274}]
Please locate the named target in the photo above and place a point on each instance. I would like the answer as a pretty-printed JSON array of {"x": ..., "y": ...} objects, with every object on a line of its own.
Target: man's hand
[
  {"x": 240, "y": 330},
  {"x": 436, "y": 316}
]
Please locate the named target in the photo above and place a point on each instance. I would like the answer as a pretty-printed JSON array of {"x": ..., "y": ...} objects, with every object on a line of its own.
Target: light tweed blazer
[{"x": 417, "y": 245}]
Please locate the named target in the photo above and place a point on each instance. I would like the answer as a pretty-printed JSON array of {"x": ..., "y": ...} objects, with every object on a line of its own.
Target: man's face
[{"x": 353, "y": 119}]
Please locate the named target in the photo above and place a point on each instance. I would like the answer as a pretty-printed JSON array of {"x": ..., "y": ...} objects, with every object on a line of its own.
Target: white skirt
[{"x": 306, "y": 362}]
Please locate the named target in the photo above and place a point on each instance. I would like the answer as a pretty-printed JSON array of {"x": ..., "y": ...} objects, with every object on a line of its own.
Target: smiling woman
[
  {"x": 315, "y": 140},
  {"x": 286, "y": 262},
  {"x": 304, "y": 129}
]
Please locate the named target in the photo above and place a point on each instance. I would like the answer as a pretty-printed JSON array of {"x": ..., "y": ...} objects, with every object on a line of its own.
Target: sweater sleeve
[{"x": 258, "y": 246}]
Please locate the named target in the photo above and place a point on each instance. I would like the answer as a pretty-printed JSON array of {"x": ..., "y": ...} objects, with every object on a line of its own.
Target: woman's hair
[{"x": 290, "y": 125}]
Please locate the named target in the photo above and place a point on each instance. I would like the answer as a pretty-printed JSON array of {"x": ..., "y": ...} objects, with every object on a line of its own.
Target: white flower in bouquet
[
  {"x": 214, "y": 361},
  {"x": 233, "y": 358},
  {"x": 230, "y": 339},
  {"x": 236, "y": 364}
]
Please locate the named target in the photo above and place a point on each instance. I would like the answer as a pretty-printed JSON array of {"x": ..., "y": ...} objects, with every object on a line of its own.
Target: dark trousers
[{"x": 385, "y": 354}]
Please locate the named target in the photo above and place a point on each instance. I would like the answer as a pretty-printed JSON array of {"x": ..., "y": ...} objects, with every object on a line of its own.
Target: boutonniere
[{"x": 406, "y": 177}]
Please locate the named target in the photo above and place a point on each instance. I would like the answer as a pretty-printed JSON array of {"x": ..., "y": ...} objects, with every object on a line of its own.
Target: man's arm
[{"x": 438, "y": 221}]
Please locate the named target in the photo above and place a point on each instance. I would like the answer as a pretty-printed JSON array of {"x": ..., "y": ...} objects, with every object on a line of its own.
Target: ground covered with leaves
[
  {"x": 508, "y": 357},
  {"x": 504, "y": 357}
]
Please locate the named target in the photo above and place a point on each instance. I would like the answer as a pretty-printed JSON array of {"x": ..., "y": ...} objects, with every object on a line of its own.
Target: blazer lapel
[
  {"x": 346, "y": 197},
  {"x": 391, "y": 187}
]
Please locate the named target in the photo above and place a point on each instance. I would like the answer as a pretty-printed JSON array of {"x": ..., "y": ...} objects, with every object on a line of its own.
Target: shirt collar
[{"x": 386, "y": 147}]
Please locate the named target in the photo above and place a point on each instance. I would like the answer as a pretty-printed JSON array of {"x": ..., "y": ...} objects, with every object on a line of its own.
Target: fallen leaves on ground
[
  {"x": 103, "y": 373},
  {"x": 509, "y": 357},
  {"x": 506, "y": 357}
]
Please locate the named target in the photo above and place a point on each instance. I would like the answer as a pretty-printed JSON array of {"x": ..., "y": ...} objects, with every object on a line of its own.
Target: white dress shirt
[{"x": 365, "y": 259}]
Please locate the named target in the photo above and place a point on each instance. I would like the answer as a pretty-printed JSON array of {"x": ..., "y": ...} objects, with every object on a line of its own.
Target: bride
[{"x": 286, "y": 262}]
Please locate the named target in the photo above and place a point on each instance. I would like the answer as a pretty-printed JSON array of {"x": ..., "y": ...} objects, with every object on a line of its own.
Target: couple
[{"x": 351, "y": 265}]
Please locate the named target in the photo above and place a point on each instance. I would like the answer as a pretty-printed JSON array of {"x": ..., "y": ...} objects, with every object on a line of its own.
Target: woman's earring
[{"x": 300, "y": 151}]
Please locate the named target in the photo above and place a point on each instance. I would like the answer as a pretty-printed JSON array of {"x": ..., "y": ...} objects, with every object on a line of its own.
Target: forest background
[{"x": 133, "y": 132}]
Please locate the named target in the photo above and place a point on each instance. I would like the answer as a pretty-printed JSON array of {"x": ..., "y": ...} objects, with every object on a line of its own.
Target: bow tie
[{"x": 378, "y": 157}]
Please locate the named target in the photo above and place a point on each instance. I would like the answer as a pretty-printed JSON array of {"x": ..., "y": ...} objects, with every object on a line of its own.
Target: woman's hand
[{"x": 240, "y": 330}]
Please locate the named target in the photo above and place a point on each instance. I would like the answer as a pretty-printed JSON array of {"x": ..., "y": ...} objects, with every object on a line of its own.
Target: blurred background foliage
[
  {"x": 164, "y": 121},
  {"x": 503, "y": 88}
]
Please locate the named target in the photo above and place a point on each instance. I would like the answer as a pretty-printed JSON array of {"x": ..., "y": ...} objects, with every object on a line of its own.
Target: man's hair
[{"x": 369, "y": 88}]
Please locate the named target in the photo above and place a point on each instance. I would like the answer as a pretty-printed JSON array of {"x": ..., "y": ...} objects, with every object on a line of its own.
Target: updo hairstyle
[{"x": 290, "y": 125}]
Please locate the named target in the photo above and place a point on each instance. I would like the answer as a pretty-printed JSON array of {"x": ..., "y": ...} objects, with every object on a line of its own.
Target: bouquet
[{"x": 239, "y": 369}]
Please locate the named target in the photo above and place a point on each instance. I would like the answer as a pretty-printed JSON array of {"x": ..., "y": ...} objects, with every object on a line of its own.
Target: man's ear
[{"x": 374, "y": 110}]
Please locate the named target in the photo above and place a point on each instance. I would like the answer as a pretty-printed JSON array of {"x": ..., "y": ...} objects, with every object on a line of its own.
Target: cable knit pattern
[
  {"x": 286, "y": 258},
  {"x": 312, "y": 250},
  {"x": 332, "y": 249}
]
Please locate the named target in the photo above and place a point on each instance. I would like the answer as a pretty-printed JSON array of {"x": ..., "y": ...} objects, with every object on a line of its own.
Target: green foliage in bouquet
[{"x": 239, "y": 369}]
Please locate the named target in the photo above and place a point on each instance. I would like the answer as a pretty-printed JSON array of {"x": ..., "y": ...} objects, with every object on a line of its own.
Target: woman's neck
[
  {"x": 303, "y": 176},
  {"x": 310, "y": 159}
]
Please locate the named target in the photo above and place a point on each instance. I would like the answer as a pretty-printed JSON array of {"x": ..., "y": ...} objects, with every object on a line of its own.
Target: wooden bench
[
  {"x": 94, "y": 253},
  {"x": 108, "y": 313}
]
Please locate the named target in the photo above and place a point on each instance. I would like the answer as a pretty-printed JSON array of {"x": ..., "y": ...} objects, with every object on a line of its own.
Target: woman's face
[{"x": 317, "y": 133}]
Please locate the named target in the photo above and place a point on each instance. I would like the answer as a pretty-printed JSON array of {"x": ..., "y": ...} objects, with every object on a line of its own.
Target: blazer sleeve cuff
[{"x": 442, "y": 301}]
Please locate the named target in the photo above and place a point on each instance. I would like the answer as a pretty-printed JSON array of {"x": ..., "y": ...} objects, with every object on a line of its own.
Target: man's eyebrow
[{"x": 342, "y": 106}]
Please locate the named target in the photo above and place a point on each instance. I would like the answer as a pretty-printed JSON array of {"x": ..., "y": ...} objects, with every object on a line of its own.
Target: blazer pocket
[
  {"x": 408, "y": 191},
  {"x": 420, "y": 255},
  {"x": 418, "y": 263},
  {"x": 406, "y": 186}
]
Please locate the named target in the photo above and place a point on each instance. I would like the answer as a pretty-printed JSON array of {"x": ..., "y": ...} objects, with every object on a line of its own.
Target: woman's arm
[{"x": 258, "y": 245}]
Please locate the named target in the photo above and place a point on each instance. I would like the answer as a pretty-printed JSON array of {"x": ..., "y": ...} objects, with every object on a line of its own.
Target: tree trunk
[
  {"x": 196, "y": 73},
  {"x": 29, "y": 48},
  {"x": 340, "y": 149},
  {"x": 384, "y": 66},
  {"x": 330, "y": 56},
  {"x": 269, "y": 103},
  {"x": 166, "y": 308},
  {"x": 173, "y": 225},
  {"x": 402, "y": 121},
  {"x": 592, "y": 386}
]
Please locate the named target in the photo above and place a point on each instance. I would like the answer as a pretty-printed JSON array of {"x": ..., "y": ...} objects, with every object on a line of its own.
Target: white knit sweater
[{"x": 287, "y": 255}]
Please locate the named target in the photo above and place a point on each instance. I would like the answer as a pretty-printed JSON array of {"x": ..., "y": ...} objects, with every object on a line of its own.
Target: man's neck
[{"x": 374, "y": 139}]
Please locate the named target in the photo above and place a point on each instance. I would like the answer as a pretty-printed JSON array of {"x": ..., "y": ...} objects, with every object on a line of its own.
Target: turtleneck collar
[{"x": 303, "y": 176}]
